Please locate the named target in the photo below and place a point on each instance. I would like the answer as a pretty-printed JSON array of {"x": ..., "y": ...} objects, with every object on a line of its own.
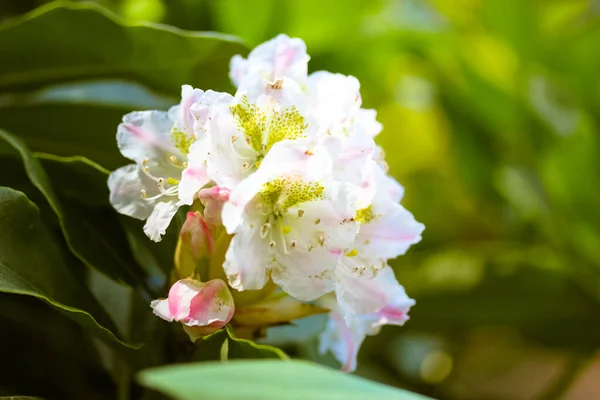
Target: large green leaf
[
  {"x": 91, "y": 234},
  {"x": 76, "y": 41},
  {"x": 265, "y": 380},
  {"x": 32, "y": 264},
  {"x": 77, "y": 118}
]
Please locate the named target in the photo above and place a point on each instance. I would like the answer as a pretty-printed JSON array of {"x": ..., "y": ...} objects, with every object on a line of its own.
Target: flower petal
[
  {"x": 146, "y": 135},
  {"x": 180, "y": 115},
  {"x": 126, "y": 184},
  {"x": 247, "y": 264},
  {"x": 378, "y": 300},
  {"x": 159, "y": 220},
  {"x": 194, "y": 303},
  {"x": 194, "y": 177},
  {"x": 277, "y": 58},
  {"x": 342, "y": 340}
]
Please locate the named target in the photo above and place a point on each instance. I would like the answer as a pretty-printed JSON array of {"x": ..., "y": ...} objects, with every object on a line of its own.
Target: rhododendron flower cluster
[{"x": 289, "y": 167}]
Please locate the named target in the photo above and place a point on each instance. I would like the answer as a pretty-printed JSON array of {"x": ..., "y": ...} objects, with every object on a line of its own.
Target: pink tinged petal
[
  {"x": 342, "y": 340},
  {"x": 159, "y": 220},
  {"x": 392, "y": 234},
  {"x": 277, "y": 58},
  {"x": 379, "y": 300},
  {"x": 194, "y": 177},
  {"x": 213, "y": 199},
  {"x": 145, "y": 135},
  {"x": 213, "y": 305},
  {"x": 125, "y": 186}
]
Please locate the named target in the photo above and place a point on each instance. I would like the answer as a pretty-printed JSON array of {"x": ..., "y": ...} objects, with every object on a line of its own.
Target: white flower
[
  {"x": 279, "y": 57},
  {"x": 242, "y": 129},
  {"x": 292, "y": 221},
  {"x": 161, "y": 180}
]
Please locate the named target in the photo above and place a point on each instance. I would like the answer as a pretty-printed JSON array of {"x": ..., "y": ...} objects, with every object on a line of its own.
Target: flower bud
[
  {"x": 202, "y": 307},
  {"x": 195, "y": 244}
]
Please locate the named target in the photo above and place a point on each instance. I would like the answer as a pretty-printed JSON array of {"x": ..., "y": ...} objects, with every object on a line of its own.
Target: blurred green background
[{"x": 491, "y": 113}]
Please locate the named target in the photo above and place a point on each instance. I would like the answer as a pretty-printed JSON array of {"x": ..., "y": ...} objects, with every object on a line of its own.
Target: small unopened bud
[
  {"x": 202, "y": 307},
  {"x": 195, "y": 245}
]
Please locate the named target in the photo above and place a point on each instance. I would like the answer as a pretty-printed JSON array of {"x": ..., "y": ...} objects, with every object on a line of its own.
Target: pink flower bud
[
  {"x": 196, "y": 233},
  {"x": 203, "y": 306}
]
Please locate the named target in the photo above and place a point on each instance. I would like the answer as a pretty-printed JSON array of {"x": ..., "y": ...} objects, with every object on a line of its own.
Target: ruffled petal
[
  {"x": 159, "y": 220},
  {"x": 378, "y": 300},
  {"x": 125, "y": 185},
  {"x": 146, "y": 135},
  {"x": 277, "y": 58},
  {"x": 342, "y": 340},
  {"x": 180, "y": 115},
  {"x": 334, "y": 101}
]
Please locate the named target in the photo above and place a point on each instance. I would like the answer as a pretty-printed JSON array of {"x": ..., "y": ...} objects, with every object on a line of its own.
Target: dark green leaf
[
  {"x": 75, "y": 41},
  {"x": 91, "y": 234},
  {"x": 265, "y": 380},
  {"x": 77, "y": 118},
  {"x": 31, "y": 264},
  {"x": 47, "y": 333}
]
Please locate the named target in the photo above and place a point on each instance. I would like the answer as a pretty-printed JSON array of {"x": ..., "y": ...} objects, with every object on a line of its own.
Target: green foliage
[
  {"x": 280, "y": 380},
  {"x": 32, "y": 265}
]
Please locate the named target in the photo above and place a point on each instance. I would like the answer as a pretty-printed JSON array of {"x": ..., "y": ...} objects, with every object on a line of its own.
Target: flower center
[
  {"x": 282, "y": 227},
  {"x": 167, "y": 186}
]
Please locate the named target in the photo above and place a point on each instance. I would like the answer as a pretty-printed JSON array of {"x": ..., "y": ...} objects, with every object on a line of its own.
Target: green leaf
[
  {"x": 77, "y": 178},
  {"x": 91, "y": 234},
  {"x": 77, "y": 118},
  {"x": 265, "y": 380},
  {"x": 48, "y": 334},
  {"x": 75, "y": 41},
  {"x": 31, "y": 263},
  {"x": 210, "y": 348}
]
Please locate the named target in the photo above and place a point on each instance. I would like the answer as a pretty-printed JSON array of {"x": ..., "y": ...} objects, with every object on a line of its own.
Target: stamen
[
  {"x": 272, "y": 243},
  {"x": 174, "y": 161},
  {"x": 321, "y": 240},
  {"x": 309, "y": 247},
  {"x": 143, "y": 194},
  {"x": 233, "y": 150},
  {"x": 264, "y": 230},
  {"x": 300, "y": 213},
  {"x": 317, "y": 221}
]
